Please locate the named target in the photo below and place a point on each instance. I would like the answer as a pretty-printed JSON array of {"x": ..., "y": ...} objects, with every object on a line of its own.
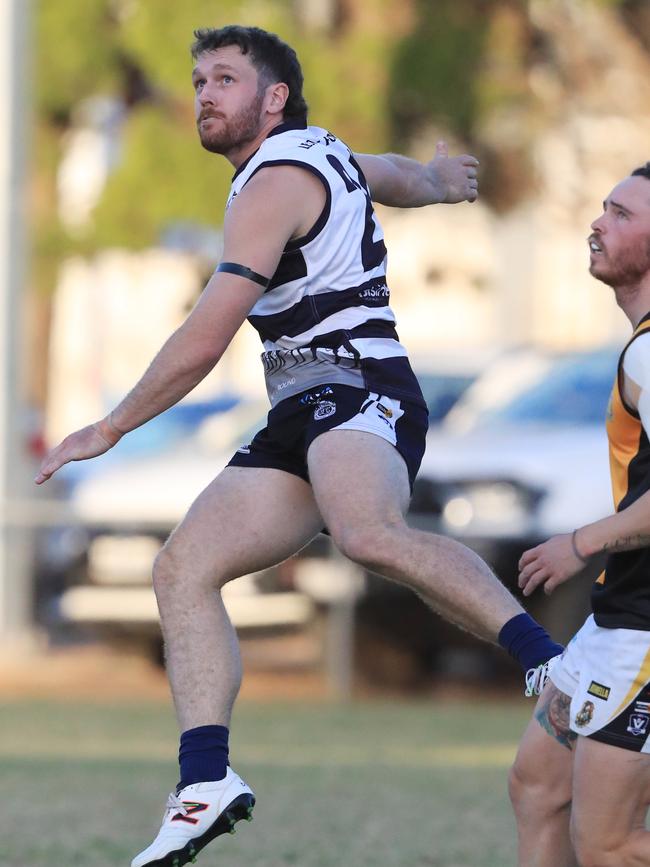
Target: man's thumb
[{"x": 442, "y": 149}]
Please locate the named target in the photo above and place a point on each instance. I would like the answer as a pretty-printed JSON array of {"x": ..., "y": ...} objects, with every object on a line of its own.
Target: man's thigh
[
  {"x": 611, "y": 793},
  {"x": 357, "y": 478},
  {"x": 545, "y": 756},
  {"x": 246, "y": 520}
]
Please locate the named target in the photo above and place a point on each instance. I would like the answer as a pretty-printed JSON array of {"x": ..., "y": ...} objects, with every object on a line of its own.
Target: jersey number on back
[{"x": 373, "y": 252}]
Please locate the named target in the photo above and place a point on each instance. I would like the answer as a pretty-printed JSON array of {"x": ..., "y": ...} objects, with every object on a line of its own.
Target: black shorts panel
[{"x": 295, "y": 423}]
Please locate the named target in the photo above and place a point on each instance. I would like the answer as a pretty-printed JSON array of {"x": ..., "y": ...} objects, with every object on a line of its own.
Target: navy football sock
[
  {"x": 203, "y": 755},
  {"x": 527, "y": 641}
]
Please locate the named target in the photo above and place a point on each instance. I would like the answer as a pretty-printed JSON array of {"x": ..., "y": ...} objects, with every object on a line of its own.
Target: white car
[
  {"x": 125, "y": 504},
  {"x": 521, "y": 457}
]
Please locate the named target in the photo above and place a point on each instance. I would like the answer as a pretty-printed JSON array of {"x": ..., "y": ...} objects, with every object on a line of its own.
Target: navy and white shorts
[{"x": 296, "y": 421}]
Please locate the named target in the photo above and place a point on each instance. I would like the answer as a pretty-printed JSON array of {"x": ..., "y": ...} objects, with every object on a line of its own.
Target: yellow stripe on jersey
[
  {"x": 620, "y": 597},
  {"x": 624, "y": 433},
  {"x": 641, "y": 679}
]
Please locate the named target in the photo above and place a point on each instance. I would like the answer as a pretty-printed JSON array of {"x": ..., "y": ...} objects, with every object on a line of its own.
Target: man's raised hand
[{"x": 455, "y": 178}]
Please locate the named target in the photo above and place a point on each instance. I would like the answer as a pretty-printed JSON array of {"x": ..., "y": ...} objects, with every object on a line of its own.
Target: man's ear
[{"x": 276, "y": 97}]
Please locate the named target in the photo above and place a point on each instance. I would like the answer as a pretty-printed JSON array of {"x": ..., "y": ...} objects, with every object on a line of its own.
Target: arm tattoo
[
  {"x": 552, "y": 714},
  {"x": 627, "y": 543}
]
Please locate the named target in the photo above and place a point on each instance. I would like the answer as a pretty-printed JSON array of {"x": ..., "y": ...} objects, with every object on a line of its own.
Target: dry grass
[{"x": 373, "y": 784}]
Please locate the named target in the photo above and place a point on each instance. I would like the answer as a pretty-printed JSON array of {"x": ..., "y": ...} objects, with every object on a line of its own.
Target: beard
[
  {"x": 626, "y": 269},
  {"x": 233, "y": 132}
]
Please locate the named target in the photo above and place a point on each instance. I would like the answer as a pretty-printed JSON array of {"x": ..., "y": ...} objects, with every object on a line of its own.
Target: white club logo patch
[
  {"x": 638, "y": 724},
  {"x": 325, "y": 409}
]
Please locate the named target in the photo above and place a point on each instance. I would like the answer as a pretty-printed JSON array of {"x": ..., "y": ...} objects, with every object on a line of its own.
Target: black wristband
[
  {"x": 574, "y": 545},
  {"x": 243, "y": 271}
]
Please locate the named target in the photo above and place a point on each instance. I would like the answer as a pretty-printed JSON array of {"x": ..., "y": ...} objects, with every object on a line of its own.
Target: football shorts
[
  {"x": 294, "y": 423},
  {"x": 606, "y": 672}
]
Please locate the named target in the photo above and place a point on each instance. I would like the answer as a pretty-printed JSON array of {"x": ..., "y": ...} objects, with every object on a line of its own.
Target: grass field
[{"x": 381, "y": 784}]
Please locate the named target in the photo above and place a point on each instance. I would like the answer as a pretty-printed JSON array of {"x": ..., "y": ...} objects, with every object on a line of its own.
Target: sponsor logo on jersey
[
  {"x": 638, "y": 724},
  {"x": 244, "y": 450},
  {"x": 327, "y": 139},
  {"x": 599, "y": 690},
  {"x": 282, "y": 385},
  {"x": 375, "y": 292},
  {"x": 585, "y": 714},
  {"x": 325, "y": 409}
]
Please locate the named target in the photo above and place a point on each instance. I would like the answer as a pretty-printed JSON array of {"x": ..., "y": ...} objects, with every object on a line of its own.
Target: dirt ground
[
  {"x": 98, "y": 670},
  {"x": 101, "y": 671}
]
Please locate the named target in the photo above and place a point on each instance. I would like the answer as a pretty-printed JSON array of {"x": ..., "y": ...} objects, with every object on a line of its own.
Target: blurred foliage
[
  {"x": 76, "y": 44},
  {"x": 138, "y": 52},
  {"x": 435, "y": 69},
  {"x": 380, "y": 73}
]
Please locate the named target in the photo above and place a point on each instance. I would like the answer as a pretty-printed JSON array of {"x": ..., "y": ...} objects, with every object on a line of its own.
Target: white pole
[{"x": 15, "y": 109}]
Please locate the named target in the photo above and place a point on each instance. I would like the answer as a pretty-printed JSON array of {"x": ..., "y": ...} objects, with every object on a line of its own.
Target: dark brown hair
[
  {"x": 642, "y": 171},
  {"x": 274, "y": 60}
]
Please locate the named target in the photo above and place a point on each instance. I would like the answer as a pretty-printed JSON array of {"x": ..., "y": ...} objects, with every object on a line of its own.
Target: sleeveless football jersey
[
  {"x": 621, "y": 594},
  {"x": 325, "y": 317}
]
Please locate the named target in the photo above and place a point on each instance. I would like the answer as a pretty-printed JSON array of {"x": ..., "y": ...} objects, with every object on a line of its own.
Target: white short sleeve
[{"x": 636, "y": 365}]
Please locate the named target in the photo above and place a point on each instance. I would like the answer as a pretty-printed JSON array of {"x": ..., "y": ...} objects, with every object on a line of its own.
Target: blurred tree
[
  {"x": 435, "y": 67},
  {"x": 138, "y": 53},
  {"x": 76, "y": 44},
  {"x": 462, "y": 72},
  {"x": 379, "y": 73}
]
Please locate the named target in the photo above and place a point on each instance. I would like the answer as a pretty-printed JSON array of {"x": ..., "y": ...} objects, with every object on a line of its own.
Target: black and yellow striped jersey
[{"x": 621, "y": 594}]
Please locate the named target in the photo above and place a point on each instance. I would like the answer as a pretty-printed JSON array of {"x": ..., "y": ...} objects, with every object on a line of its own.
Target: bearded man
[
  {"x": 305, "y": 262},
  {"x": 580, "y": 785}
]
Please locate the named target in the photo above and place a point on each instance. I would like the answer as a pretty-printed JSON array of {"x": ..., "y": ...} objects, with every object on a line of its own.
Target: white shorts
[{"x": 607, "y": 674}]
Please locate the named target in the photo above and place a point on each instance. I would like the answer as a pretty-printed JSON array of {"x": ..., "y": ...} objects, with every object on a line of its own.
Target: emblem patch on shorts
[
  {"x": 599, "y": 690},
  {"x": 385, "y": 410},
  {"x": 585, "y": 714},
  {"x": 325, "y": 409},
  {"x": 312, "y": 398},
  {"x": 638, "y": 724}
]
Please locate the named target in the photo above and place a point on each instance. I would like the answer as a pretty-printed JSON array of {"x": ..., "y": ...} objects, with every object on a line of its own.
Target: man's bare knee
[
  {"x": 608, "y": 844},
  {"x": 518, "y": 790},
  {"x": 532, "y": 793},
  {"x": 172, "y": 570},
  {"x": 165, "y": 573},
  {"x": 368, "y": 545},
  {"x": 590, "y": 854}
]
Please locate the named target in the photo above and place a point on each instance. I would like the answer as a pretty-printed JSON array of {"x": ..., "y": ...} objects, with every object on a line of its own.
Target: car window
[
  {"x": 173, "y": 426},
  {"x": 162, "y": 433},
  {"x": 575, "y": 390},
  {"x": 442, "y": 390}
]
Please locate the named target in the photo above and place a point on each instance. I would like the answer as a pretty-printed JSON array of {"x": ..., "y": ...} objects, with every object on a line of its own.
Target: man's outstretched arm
[
  {"x": 256, "y": 230},
  {"x": 561, "y": 557},
  {"x": 400, "y": 182}
]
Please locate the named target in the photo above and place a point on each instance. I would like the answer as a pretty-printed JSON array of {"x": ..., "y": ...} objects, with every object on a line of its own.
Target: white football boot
[
  {"x": 536, "y": 677},
  {"x": 199, "y": 813}
]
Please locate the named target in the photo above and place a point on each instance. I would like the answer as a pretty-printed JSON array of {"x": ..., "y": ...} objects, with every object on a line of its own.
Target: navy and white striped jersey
[{"x": 325, "y": 317}]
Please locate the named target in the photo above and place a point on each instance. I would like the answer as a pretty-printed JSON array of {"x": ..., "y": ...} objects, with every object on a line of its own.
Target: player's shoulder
[
  {"x": 639, "y": 345},
  {"x": 304, "y": 143},
  {"x": 287, "y": 182},
  {"x": 636, "y": 358}
]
